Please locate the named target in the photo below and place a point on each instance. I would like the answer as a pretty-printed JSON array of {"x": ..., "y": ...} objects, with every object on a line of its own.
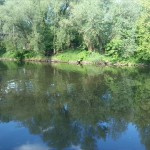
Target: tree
[
  {"x": 113, "y": 27},
  {"x": 123, "y": 35},
  {"x": 92, "y": 20},
  {"x": 143, "y": 32}
]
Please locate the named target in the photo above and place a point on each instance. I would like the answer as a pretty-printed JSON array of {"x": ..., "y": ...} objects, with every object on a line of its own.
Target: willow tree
[
  {"x": 123, "y": 35},
  {"x": 93, "y": 21},
  {"x": 15, "y": 24},
  {"x": 59, "y": 14},
  {"x": 23, "y": 21}
]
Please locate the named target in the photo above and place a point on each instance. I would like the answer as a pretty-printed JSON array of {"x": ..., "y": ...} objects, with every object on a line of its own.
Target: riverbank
[{"x": 78, "y": 57}]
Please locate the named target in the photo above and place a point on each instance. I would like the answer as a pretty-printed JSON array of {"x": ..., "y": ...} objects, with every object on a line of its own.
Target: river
[{"x": 72, "y": 107}]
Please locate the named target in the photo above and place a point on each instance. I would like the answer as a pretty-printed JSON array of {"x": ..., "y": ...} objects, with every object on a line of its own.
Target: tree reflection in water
[{"x": 71, "y": 108}]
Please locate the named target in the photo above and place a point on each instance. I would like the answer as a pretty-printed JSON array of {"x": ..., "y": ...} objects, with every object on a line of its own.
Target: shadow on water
[{"x": 72, "y": 107}]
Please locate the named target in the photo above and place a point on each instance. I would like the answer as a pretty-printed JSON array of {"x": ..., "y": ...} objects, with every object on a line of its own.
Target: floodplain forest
[{"x": 119, "y": 29}]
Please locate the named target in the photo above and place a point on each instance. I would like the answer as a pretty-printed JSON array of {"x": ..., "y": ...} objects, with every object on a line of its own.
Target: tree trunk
[
  {"x": 90, "y": 46},
  {"x": 101, "y": 45}
]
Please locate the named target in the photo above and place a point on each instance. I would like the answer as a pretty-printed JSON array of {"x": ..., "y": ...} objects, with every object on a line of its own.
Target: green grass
[
  {"x": 93, "y": 58},
  {"x": 75, "y": 55},
  {"x": 10, "y": 54},
  {"x": 69, "y": 56},
  {"x": 21, "y": 55}
]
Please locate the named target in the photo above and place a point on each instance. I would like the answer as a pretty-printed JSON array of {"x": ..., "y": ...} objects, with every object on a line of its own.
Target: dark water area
[{"x": 66, "y": 107}]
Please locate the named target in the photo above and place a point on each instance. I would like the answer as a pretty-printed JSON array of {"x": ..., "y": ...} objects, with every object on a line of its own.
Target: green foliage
[
  {"x": 115, "y": 48},
  {"x": 13, "y": 55},
  {"x": 113, "y": 28},
  {"x": 21, "y": 55},
  {"x": 92, "y": 20},
  {"x": 122, "y": 43},
  {"x": 143, "y": 33}
]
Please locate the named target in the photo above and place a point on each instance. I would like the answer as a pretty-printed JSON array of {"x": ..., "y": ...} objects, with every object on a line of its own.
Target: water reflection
[
  {"x": 78, "y": 108},
  {"x": 31, "y": 147}
]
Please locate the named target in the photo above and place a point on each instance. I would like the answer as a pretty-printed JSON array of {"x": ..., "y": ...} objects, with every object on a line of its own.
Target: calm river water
[{"x": 66, "y": 107}]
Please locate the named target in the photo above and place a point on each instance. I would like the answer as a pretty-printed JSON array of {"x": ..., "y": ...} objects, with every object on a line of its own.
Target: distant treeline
[{"x": 116, "y": 28}]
